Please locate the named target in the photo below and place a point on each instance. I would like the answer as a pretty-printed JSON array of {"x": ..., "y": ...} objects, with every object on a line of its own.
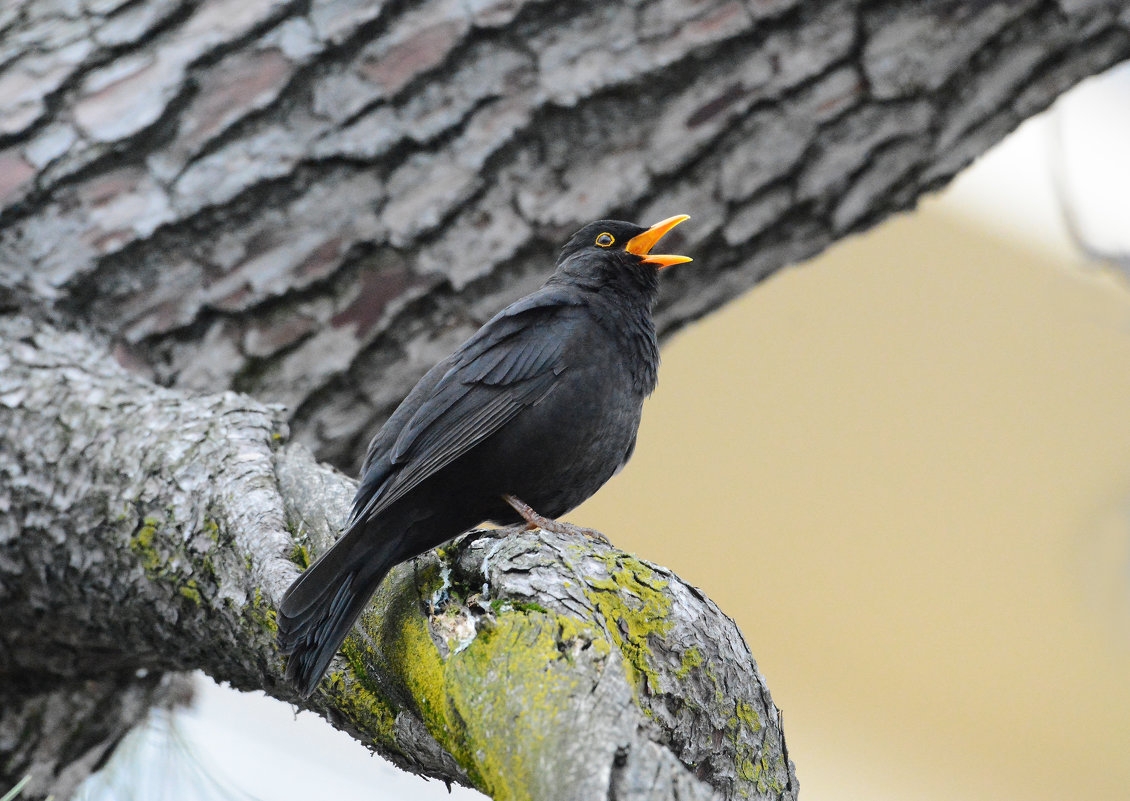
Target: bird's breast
[{"x": 560, "y": 451}]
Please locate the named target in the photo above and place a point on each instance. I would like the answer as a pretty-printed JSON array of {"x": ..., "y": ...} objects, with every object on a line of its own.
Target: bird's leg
[{"x": 534, "y": 520}]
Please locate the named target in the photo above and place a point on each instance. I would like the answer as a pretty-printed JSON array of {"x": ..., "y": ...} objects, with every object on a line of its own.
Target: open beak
[{"x": 641, "y": 245}]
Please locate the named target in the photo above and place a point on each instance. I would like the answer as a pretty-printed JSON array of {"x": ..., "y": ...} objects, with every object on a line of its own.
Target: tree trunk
[{"x": 312, "y": 202}]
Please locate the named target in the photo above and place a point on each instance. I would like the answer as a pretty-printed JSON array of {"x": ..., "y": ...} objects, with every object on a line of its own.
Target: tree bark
[
  {"x": 312, "y": 202},
  {"x": 156, "y": 533}
]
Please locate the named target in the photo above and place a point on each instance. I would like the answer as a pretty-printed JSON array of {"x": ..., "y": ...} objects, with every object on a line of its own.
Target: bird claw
[
  {"x": 591, "y": 533},
  {"x": 534, "y": 520}
]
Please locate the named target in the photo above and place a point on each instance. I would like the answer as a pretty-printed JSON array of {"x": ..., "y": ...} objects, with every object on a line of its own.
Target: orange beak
[{"x": 641, "y": 245}]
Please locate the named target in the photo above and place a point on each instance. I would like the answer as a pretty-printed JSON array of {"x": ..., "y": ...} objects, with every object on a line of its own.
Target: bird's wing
[{"x": 508, "y": 366}]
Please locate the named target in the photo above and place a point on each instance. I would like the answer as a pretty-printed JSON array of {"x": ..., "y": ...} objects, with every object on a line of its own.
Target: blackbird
[{"x": 534, "y": 412}]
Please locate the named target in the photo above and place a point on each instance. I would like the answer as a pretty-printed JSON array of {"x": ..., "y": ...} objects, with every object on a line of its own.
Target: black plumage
[{"x": 541, "y": 404}]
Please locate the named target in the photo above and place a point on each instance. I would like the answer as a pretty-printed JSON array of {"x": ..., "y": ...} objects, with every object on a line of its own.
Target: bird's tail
[{"x": 321, "y": 606}]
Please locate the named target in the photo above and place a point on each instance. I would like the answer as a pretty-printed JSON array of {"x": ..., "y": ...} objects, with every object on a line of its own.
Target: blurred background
[{"x": 903, "y": 468}]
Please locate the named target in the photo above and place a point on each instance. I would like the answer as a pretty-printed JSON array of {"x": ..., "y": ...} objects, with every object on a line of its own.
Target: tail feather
[
  {"x": 320, "y": 607},
  {"x": 312, "y": 619}
]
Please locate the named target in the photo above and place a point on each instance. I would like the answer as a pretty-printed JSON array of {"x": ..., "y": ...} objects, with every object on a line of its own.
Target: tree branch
[{"x": 524, "y": 664}]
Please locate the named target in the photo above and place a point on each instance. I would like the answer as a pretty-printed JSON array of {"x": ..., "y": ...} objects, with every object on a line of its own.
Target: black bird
[{"x": 539, "y": 407}]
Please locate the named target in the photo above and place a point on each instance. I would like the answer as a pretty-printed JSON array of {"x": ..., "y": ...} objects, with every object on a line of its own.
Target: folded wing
[{"x": 510, "y": 365}]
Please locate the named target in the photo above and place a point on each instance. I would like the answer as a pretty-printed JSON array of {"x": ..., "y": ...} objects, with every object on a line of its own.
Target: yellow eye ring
[{"x": 605, "y": 240}]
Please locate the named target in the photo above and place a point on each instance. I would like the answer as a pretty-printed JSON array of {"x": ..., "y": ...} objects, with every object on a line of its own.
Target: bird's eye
[{"x": 605, "y": 240}]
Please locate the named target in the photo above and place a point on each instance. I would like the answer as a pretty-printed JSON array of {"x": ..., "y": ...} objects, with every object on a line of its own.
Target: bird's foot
[{"x": 534, "y": 520}]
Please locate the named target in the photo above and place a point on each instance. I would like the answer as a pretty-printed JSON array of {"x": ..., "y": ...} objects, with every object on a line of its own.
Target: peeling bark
[{"x": 312, "y": 202}]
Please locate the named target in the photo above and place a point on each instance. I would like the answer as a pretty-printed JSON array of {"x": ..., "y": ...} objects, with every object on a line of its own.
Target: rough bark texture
[
  {"x": 310, "y": 202},
  {"x": 313, "y": 201},
  {"x": 155, "y": 532}
]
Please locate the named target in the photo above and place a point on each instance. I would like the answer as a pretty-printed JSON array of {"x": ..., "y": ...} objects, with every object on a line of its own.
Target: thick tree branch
[{"x": 527, "y": 665}]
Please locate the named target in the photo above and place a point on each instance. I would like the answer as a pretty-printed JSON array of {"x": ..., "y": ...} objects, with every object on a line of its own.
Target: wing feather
[{"x": 507, "y": 367}]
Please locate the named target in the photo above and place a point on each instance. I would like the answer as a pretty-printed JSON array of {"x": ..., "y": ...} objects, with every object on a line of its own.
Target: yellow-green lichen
[
  {"x": 300, "y": 555},
  {"x": 531, "y": 655},
  {"x": 191, "y": 591},
  {"x": 747, "y": 716},
  {"x": 142, "y": 545},
  {"x": 501, "y": 604},
  {"x": 528, "y": 606},
  {"x": 366, "y": 710},
  {"x": 751, "y": 754},
  {"x": 692, "y": 658},
  {"x": 165, "y": 557},
  {"x": 261, "y": 613},
  {"x": 212, "y": 530},
  {"x": 424, "y": 675},
  {"x": 520, "y": 648},
  {"x": 763, "y": 774},
  {"x": 358, "y": 696},
  {"x": 633, "y": 603}
]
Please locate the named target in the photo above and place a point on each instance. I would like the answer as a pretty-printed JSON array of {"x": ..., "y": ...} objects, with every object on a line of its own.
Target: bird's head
[{"x": 613, "y": 252}]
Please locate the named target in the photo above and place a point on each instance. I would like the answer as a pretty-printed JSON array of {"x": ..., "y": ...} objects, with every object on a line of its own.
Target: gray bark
[
  {"x": 310, "y": 203},
  {"x": 313, "y": 202},
  {"x": 156, "y": 532}
]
